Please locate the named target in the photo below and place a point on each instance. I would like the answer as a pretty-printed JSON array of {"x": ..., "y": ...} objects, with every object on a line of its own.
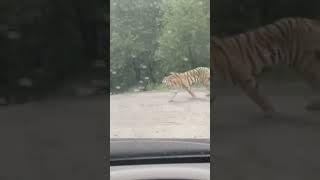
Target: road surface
[
  {"x": 54, "y": 139},
  {"x": 150, "y": 115},
  {"x": 41, "y": 139},
  {"x": 250, "y": 147}
]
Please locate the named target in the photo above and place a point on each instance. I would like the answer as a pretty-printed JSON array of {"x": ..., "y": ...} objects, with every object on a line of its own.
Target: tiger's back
[
  {"x": 284, "y": 42},
  {"x": 188, "y": 78},
  {"x": 294, "y": 42}
]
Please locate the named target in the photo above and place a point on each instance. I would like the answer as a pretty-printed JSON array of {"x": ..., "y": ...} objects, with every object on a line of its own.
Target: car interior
[{"x": 155, "y": 159}]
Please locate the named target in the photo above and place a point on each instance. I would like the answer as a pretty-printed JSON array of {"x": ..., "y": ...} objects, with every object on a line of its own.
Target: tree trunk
[
  {"x": 191, "y": 56},
  {"x": 151, "y": 72},
  {"x": 136, "y": 70}
]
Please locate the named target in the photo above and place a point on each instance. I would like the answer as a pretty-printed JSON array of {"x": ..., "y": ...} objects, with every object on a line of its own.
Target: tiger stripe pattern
[
  {"x": 185, "y": 80},
  {"x": 294, "y": 42}
]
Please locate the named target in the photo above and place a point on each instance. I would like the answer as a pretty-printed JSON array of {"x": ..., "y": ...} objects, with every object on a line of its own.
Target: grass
[
  {"x": 278, "y": 74},
  {"x": 156, "y": 87},
  {"x": 149, "y": 87}
]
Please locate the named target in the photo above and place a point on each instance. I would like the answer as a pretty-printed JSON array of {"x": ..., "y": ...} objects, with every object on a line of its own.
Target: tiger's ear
[{"x": 171, "y": 73}]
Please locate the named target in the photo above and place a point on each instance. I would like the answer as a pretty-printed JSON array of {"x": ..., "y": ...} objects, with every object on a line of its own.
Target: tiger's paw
[
  {"x": 271, "y": 114},
  {"x": 278, "y": 116},
  {"x": 313, "y": 106},
  {"x": 194, "y": 97},
  {"x": 268, "y": 114}
]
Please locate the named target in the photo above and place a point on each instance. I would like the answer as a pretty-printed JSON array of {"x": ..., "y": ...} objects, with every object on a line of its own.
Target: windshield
[{"x": 159, "y": 69}]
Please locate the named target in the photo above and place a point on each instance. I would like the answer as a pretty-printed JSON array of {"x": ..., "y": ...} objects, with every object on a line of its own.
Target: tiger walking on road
[{"x": 186, "y": 79}]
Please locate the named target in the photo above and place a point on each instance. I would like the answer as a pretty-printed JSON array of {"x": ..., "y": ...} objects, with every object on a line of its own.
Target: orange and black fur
[
  {"x": 294, "y": 42},
  {"x": 186, "y": 79}
]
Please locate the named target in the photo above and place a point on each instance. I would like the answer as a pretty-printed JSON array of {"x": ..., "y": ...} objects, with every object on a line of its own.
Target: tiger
[
  {"x": 186, "y": 79},
  {"x": 292, "y": 41}
]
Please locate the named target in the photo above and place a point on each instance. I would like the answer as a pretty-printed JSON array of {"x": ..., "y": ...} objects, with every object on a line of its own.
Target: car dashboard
[{"x": 156, "y": 159}]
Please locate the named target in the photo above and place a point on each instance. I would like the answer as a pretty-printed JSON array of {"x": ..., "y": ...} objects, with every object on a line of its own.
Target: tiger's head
[{"x": 165, "y": 80}]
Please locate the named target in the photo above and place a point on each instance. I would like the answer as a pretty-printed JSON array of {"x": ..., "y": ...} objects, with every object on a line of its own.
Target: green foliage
[
  {"x": 134, "y": 32},
  {"x": 48, "y": 43},
  {"x": 184, "y": 42},
  {"x": 150, "y": 38},
  {"x": 156, "y": 86}
]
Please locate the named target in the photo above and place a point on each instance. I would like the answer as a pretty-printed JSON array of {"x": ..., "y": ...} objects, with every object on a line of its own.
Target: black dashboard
[{"x": 159, "y": 159}]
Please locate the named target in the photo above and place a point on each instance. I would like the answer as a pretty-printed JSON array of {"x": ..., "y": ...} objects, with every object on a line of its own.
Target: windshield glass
[{"x": 159, "y": 69}]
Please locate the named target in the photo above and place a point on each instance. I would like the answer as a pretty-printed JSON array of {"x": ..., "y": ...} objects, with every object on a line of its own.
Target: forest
[
  {"x": 151, "y": 38},
  {"x": 46, "y": 44},
  {"x": 51, "y": 43}
]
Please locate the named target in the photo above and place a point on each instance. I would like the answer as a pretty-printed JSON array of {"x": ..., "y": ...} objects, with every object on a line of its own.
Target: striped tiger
[
  {"x": 294, "y": 42},
  {"x": 186, "y": 79}
]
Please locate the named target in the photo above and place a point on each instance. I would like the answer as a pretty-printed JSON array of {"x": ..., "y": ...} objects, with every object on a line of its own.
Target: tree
[
  {"x": 185, "y": 36},
  {"x": 134, "y": 34},
  {"x": 149, "y": 38}
]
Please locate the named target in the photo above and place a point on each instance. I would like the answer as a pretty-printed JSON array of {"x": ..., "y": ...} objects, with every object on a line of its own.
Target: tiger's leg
[
  {"x": 312, "y": 76},
  {"x": 190, "y": 92},
  {"x": 208, "y": 89},
  {"x": 174, "y": 95},
  {"x": 207, "y": 84},
  {"x": 213, "y": 83},
  {"x": 188, "y": 89},
  {"x": 250, "y": 88},
  {"x": 314, "y": 105}
]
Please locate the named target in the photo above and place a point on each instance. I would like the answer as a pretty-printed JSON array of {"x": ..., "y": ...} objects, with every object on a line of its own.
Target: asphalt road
[
  {"x": 56, "y": 139},
  {"x": 150, "y": 115},
  {"x": 250, "y": 147}
]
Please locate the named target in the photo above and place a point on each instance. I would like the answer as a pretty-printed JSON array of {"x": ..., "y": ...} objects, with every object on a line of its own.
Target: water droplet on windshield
[
  {"x": 27, "y": 82},
  {"x": 14, "y": 35},
  {"x": 143, "y": 66}
]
